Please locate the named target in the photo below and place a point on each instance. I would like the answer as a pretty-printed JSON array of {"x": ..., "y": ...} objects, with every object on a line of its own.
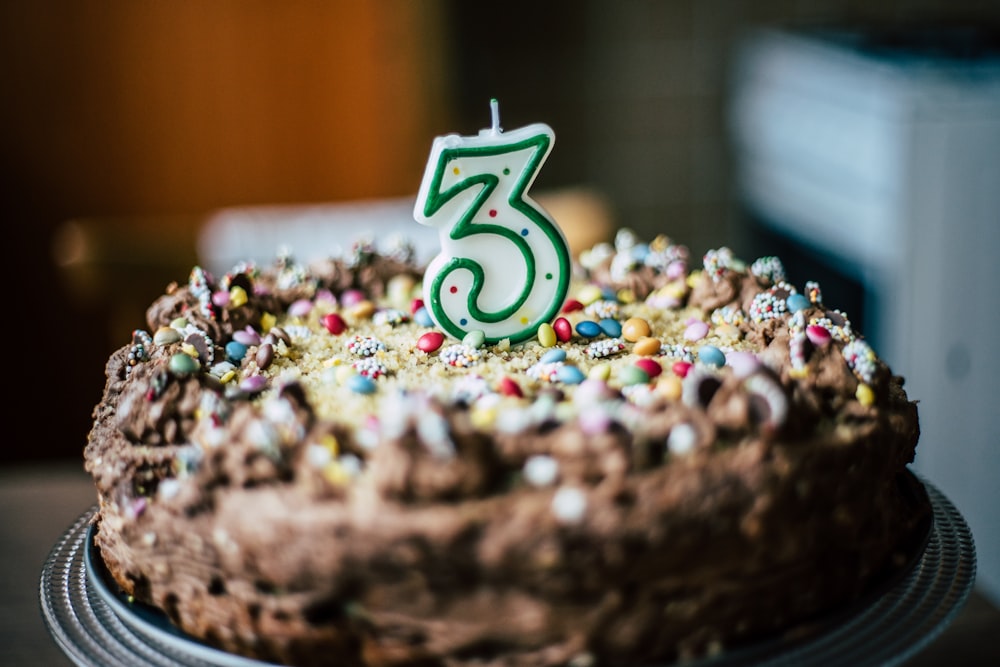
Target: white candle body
[{"x": 504, "y": 265}]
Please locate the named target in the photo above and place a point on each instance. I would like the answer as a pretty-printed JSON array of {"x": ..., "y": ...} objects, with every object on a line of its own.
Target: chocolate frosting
[{"x": 271, "y": 510}]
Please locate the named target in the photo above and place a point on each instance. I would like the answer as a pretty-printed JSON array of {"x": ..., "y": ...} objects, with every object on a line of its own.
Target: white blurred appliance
[{"x": 877, "y": 152}]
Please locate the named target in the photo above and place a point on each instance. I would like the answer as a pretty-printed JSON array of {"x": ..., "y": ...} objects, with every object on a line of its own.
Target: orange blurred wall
[{"x": 127, "y": 106}]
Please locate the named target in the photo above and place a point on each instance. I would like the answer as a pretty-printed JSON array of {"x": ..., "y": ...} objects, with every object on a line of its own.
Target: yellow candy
[
  {"x": 546, "y": 335},
  {"x": 727, "y": 332},
  {"x": 588, "y": 294},
  {"x": 237, "y": 297},
  {"x": 625, "y": 295},
  {"x": 693, "y": 278},
  {"x": 483, "y": 418},
  {"x": 331, "y": 444},
  {"x": 335, "y": 474},
  {"x": 865, "y": 395},
  {"x": 227, "y": 377},
  {"x": 343, "y": 373},
  {"x": 600, "y": 372},
  {"x": 798, "y": 373},
  {"x": 669, "y": 386},
  {"x": 647, "y": 347},
  {"x": 267, "y": 321},
  {"x": 189, "y": 349},
  {"x": 362, "y": 310}
]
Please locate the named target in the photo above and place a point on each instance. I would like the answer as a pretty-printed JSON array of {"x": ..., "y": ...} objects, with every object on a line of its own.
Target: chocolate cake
[{"x": 296, "y": 465}]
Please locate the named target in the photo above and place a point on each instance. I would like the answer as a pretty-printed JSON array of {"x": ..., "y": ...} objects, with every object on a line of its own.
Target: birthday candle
[{"x": 504, "y": 265}]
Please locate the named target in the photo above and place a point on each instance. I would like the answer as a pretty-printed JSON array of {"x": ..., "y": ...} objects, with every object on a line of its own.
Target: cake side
[{"x": 726, "y": 463}]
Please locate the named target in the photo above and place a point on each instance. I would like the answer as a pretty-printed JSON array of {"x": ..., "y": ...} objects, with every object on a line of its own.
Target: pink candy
[
  {"x": 563, "y": 329},
  {"x": 334, "y": 323},
  {"x": 696, "y": 330},
  {"x": 742, "y": 363},
  {"x": 651, "y": 367},
  {"x": 817, "y": 335},
  {"x": 430, "y": 341}
]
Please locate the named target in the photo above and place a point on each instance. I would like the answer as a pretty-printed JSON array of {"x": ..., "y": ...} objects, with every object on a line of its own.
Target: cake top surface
[{"x": 682, "y": 358}]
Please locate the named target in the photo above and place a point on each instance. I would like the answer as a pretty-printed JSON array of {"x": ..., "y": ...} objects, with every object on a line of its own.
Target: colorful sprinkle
[
  {"x": 365, "y": 346},
  {"x": 769, "y": 269},
  {"x": 605, "y": 348},
  {"x": 369, "y": 367},
  {"x": 461, "y": 356}
]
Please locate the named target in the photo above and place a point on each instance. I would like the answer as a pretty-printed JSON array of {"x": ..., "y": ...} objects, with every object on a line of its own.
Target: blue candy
[
  {"x": 611, "y": 327},
  {"x": 552, "y": 356},
  {"x": 235, "y": 351},
  {"x": 712, "y": 356},
  {"x": 588, "y": 329},
  {"x": 423, "y": 317},
  {"x": 361, "y": 384},
  {"x": 570, "y": 375},
  {"x": 797, "y": 302}
]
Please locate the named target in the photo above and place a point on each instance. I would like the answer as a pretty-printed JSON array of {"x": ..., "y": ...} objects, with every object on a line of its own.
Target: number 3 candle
[{"x": 504, "y": 265}]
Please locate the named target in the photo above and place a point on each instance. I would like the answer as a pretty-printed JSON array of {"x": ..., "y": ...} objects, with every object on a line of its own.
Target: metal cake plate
[{"x": 97, "y": 626}]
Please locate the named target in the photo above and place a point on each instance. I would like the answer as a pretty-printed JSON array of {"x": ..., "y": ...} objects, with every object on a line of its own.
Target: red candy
[
  {"x": 563, "y": 329},
  {"x": 334, "y": 323},
  {"x": 509, "y": 387},
  {"x": 681, "y": 368},
  {"x": 651, "y": 367},
  {"x": 430, "y": 341},
  {"x": 571, "y": 305},
  {"x": 416, "y": 305}
]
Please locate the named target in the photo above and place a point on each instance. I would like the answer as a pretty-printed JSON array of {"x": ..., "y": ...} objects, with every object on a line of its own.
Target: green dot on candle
[
  {"x": 506, "y": 171},
  {"x": 548, "y": 276}
]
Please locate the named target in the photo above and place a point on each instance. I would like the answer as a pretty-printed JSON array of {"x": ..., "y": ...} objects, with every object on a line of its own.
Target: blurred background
[{"x": 859, "y": 141}]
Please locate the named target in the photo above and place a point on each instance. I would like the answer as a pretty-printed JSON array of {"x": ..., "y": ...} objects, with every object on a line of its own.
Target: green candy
[
  {"x": 183, "y": 364},
  {"x": 474, "y": 339},
  {"x": 629, "y": 375}
]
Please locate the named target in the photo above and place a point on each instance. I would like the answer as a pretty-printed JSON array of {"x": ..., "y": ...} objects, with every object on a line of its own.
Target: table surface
[{"x": 40, "y": 501}]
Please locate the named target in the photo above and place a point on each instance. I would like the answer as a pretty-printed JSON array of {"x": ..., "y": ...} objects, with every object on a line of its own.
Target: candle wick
[{"x": 495, "y": 115}]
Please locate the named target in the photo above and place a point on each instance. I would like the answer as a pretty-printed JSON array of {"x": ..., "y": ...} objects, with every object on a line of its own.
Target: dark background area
[{"x": 139, "y": 118}]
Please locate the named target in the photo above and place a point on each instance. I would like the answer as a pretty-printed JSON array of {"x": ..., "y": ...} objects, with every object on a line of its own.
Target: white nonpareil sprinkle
[
  {"x": 318, "y": 455},
  {"x": 682, "y": 439},
  {"x": 168, "y": 488},
  {"x": 541, "y": 470},
  {"x": 569, "y": 504},
  {"x": 433, "y": 431}
]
